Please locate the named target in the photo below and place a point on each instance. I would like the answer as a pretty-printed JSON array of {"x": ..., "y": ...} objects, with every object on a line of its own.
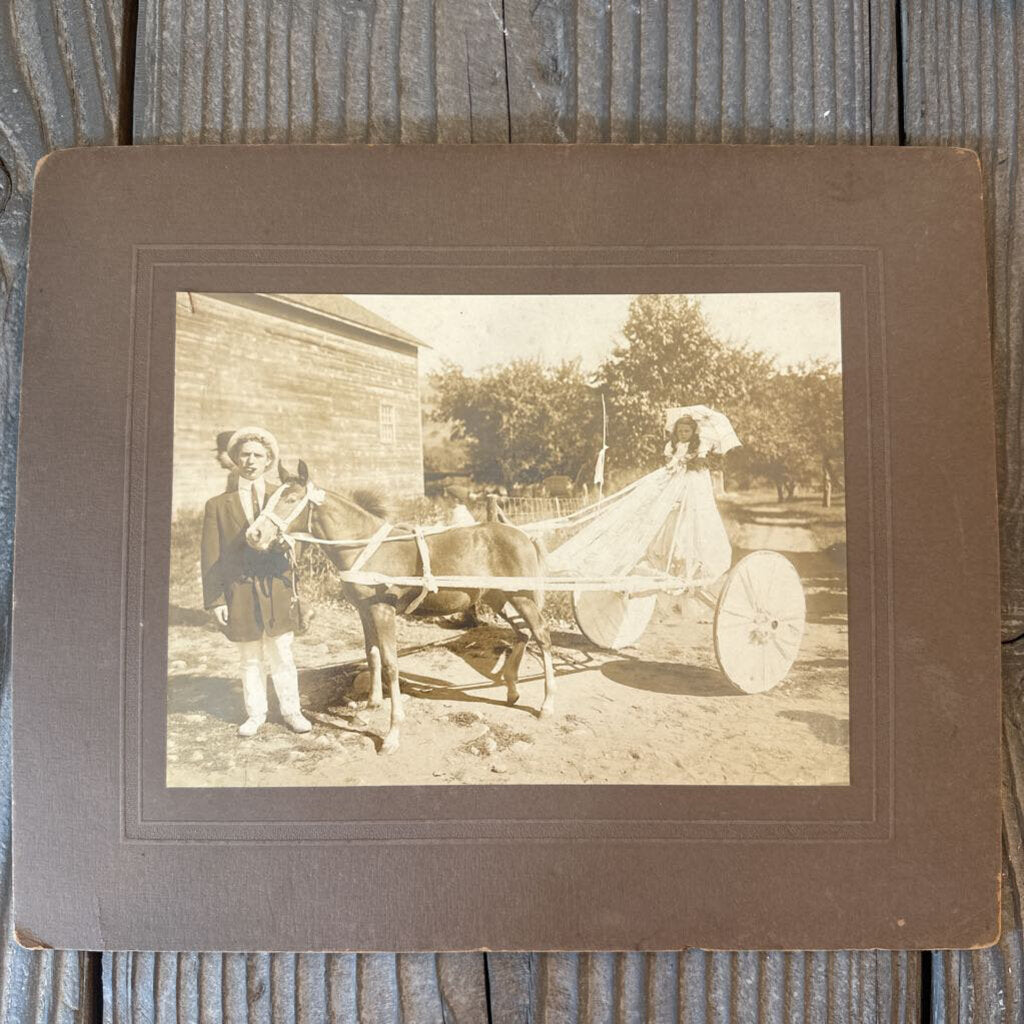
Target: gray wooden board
[
  {"x": 59, "y": 83},
  {"x": 962, "y": 87}
]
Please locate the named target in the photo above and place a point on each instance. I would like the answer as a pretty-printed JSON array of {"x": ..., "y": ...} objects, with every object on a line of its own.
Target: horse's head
[{"x": 284, "y": 509}]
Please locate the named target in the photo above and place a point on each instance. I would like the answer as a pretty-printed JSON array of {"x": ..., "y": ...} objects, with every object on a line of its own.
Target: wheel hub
[{"x": 763, "y": 627}]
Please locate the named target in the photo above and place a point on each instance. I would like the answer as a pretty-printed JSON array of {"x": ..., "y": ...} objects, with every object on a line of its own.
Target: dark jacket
[{"x": 257, "y": 586}]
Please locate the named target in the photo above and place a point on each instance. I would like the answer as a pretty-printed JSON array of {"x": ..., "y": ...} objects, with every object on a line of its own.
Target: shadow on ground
[
  {"x": 222, "y": 698},
  {"x": 669, "y": 677},
  {"x": 827, "y": 728}
]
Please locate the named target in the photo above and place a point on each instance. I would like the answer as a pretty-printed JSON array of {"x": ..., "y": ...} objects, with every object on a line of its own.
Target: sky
[{"x": 478, "y": 330}]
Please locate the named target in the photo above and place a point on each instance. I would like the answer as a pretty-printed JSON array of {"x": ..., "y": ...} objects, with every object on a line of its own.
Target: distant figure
[
  {"x": 252, "y": 593},
  {"x": 224, "y": 460},
  {"x": 461, "y": 516},
  {"x": 558, "y": 486},
  {"x": 457, "y": 493}
]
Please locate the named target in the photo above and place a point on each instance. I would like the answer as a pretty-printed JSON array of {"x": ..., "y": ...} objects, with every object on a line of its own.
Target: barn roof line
[{"x": 327, "y": 312}]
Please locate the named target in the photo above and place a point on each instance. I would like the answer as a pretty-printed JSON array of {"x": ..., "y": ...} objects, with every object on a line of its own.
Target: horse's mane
[{"x": 372, "y": 500}]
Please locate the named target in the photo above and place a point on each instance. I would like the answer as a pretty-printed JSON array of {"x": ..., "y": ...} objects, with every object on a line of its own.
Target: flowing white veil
[{"x": 667, "y": 521}]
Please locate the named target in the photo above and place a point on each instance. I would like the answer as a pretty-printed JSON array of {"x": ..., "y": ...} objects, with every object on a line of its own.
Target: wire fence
[{"x": 531, "y": 509}]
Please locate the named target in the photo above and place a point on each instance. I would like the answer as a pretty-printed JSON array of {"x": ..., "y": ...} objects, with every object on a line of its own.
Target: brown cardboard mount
[{"x": 107, "y": 857}]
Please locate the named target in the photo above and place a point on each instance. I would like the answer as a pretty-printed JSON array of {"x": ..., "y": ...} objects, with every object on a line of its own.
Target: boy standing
[{"x": 251, "y": 594}]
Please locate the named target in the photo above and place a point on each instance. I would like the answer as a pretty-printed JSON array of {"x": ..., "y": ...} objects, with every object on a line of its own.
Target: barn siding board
[
  {"x": 59, "y": 83},
  {"x": 963, "y": 87},
  {"x": 318, "y": 393}
]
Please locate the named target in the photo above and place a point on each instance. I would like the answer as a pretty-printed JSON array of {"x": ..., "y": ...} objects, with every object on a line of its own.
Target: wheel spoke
[
  {"x": 760, "y": 621},
  {"x": 777, "y": 666},
  {"x": 748, "y": 587},
  {"x": 739, "y": 615},
  {"x": 782, "y": 650},
  {"x": 766, "y": 597}
]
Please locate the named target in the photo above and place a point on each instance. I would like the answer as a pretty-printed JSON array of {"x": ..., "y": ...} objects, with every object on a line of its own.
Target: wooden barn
[{"x": 337, "y": 385}]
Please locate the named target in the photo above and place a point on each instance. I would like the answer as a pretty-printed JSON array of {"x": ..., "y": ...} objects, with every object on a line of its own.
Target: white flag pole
[{"x": 599, "y": 467}]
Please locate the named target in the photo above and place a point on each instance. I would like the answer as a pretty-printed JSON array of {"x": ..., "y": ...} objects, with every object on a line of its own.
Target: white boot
[
  {"x": 254, "y": 686},
  {"x": 297, "y": 722},
  {"x": 251, "y": 726},
  {"x": 286, "y": 682}
]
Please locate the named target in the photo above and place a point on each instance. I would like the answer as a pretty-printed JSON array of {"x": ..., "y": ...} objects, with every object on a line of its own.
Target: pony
[{"x": 483, "y": 549}]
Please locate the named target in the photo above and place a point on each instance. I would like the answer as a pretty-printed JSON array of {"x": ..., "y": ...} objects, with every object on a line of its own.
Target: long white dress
[{"x": 669, "y": 522}]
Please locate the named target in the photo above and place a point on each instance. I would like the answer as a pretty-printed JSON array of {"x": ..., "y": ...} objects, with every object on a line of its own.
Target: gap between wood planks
[
  {"x": 93, "y": 1003},
  {"x": 126, "y": 86}
]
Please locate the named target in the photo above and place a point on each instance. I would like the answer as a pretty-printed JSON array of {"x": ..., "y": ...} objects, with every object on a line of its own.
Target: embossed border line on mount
[{"x": 151, "y": 812}]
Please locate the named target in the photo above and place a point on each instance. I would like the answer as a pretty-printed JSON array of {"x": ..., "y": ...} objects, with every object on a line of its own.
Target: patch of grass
[
  {"x": 505, "y": 737},
  {"x": 186, "y": 583},
  {"x": 463, "y": 718},
  {"x": 318, "y": 578},
  {"x": 496, "y": 740},
  {"x": 828, "y": 525},
  {"x": 558, "y": 608}
]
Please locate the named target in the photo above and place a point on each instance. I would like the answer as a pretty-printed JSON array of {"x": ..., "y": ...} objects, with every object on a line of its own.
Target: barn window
[{"x": 387, "y": 423}]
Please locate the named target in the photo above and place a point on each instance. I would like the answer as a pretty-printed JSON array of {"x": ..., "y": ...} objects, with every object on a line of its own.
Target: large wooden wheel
[
  {"x": 759, "y": 621},
  {"x": 612, "y": 620}
]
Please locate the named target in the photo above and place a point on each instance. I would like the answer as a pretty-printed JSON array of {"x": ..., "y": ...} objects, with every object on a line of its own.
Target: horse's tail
[{"x": 542, "y": 560}]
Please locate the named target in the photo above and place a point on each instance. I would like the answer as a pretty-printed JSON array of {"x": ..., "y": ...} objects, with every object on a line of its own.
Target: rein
[
  {"x": 315, "y": 496},
  {"x": 427, "y": 583},
  {"x": 312, "y": 499}
]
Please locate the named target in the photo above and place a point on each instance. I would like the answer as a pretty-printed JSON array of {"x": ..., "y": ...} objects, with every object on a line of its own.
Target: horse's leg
[
  {"x": 527, "y": 607},
  {"x": 383, "y": 615},
  {"x": 372, "y": 645},
  {"x": 510, "y": 670}
]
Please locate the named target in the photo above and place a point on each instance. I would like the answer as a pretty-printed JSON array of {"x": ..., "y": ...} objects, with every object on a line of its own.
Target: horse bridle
[{"x": 311, "y": 499}]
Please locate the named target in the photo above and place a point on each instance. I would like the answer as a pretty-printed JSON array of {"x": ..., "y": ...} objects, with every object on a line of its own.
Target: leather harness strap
[
  {"x": 429, "y": 584},
  {"x": 371, "y": 547}
]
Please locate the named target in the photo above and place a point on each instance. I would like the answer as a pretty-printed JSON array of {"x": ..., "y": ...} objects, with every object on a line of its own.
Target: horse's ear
[
  {"x": 282, "y": 474},
  {"x": 303, "y": 472}
]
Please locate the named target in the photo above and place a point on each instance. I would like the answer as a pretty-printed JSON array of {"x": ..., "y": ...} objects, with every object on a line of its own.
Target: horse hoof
[
  {"x": 375, "y": 702},
  {"x": 547, "y": 711},
  {"x": 389, "y": 746},
  {"x": 512, "y": 699}
]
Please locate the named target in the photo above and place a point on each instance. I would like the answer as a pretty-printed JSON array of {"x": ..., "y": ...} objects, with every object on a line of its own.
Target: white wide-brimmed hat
[
  {"x": 243, "y": 434},
  {"x": 715, "y": 429}
]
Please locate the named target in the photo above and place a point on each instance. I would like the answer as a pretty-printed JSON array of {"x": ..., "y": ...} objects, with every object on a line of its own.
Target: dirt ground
[{"x": 660, "y": 712}]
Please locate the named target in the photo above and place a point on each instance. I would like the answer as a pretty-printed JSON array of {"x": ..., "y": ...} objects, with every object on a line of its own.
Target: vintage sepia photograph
[{"x": 508, "y": 539}]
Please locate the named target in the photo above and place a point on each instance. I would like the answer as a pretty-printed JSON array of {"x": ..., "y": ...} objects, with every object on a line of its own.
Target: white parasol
[{"x": 715, "y": 429}]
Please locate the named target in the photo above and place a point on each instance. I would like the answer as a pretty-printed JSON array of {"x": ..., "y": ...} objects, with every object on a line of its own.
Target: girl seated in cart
[
  {"x": 664, "y": 531},
  {"x": 692, "y": 543},
  {"x": 668, "y": 521}
]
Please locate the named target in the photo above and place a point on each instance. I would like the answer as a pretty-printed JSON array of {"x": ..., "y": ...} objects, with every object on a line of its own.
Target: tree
[
  {"x": 793, "y": 430},
  {"x": 671, "y": 357},
  {"x": 524, "y": 420}
]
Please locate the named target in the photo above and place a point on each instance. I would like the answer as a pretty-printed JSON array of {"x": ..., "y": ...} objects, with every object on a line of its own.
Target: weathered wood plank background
[
  {"x": 270, "y": 71},
  {"x": 962, "y": 87},
  {"x": 60, "y": 82}
]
